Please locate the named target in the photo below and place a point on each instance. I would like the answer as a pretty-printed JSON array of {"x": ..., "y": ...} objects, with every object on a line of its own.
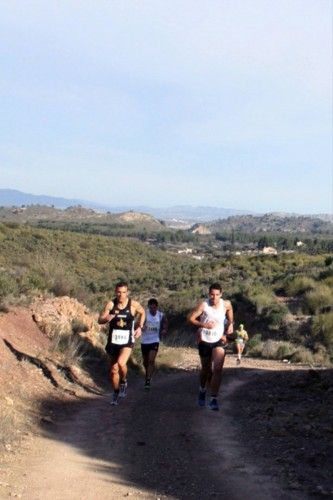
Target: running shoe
[
  {"x": 147, "y": 385},
  {"x": 202, "y": 398},
  {"x": 123, "y": 390},
  {"x": 114, "y": 399},
  {"x": 213, "y": 405}
]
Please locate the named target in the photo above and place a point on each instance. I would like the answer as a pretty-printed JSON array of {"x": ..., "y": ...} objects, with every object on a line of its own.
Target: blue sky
[{"x": 224, "y": 103}]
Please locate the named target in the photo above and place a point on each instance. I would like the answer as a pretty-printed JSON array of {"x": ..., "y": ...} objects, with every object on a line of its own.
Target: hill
[
  {"x": 15, "y": 198},
  {"x": 273, "y": 222},
  {"x": 77, "y": 213}
]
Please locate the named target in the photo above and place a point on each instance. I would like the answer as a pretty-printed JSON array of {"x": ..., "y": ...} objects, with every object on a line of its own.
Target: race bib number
[
  {"x": 151, "y": 333},
  {"x": 120, "y": 337},
  {"x": 210, "y": 334}
]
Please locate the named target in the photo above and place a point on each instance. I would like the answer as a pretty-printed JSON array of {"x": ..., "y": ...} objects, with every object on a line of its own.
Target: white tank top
[
  {"x": 216, "y": 314},
  {"x": 152, "y": 328}
]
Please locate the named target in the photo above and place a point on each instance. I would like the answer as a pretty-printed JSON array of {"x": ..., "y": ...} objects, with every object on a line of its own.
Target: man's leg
[
  {"x": 206, "y": 370},
  {"x": 239, "y": 351},
  {"x": 123, "y": 358},
  {"x": 151, "y": 363},
  {"x": 114, "y": 377},
  {"x": 205, "y": 376},
  {"x": 218, "y": 356},
  {"x": 145, "y": 360},
  {"x": 114, "y": 372}
]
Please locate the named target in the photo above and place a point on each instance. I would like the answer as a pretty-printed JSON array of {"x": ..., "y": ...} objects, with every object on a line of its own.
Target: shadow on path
[{"x": 162, "y": 442}]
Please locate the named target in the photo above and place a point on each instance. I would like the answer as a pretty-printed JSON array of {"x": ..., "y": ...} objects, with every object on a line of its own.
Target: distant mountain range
[{"x": 177, "y": 216}]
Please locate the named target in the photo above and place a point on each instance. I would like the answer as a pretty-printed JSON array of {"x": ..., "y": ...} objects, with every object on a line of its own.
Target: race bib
[
  {"x": 120, "y": 337},
  {"x": 151, "y": 333},
  {"x": 210, "y": 334}
]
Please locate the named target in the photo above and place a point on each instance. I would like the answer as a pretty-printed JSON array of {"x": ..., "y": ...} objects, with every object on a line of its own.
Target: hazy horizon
[{"x": 92, "y": 203}]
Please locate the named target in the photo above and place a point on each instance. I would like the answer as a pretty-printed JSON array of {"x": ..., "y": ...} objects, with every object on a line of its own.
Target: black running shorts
[
  {"x": 114, "y": 350},
  {"x": 206, "y": 348},
  {"x": 146, "y": 348}
]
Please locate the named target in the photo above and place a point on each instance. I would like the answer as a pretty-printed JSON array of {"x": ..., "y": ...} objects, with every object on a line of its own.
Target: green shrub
[
  {"x": 8, "y": 284},
  {"x": 260, "y": 297},
  {"x": 302, "y": 355},
  {"x": 298, "y": 285},
  {"x": 284, "y": 350},
  {"x": 273, "y": 349},
  {"x": 275, "y": 315},
  {"x": 321, "y": 356},
  {"x": 253, "y": 341},
  {"x": 322, "y": 330},
  {"x": 269, "y": 349},
  {"x": 318, "y": 299}
]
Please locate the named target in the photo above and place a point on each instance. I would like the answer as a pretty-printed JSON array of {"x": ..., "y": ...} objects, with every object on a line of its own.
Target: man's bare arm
[
  {"x": 164, "y": 325},
  {"x": 195, "y": 314},
  {"x": 139, "y": 312},
  {"x": 104, "y": 315},
  {"x": 230, "y": 317}
]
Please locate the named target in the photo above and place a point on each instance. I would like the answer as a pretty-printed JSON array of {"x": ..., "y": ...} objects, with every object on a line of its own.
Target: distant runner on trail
[
  {"x": 126, "y": 318},
  {"x": 156, "y": 324},
  {"x": 241, "y": 338},
  {"x": 214, "y": 318}
]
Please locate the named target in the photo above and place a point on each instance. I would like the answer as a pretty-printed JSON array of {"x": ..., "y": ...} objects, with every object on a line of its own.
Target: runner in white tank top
[
  {"x": 214, "y": 319},
  {"x": 215, "y": 314},
  {"x": 155, "y": 325}
]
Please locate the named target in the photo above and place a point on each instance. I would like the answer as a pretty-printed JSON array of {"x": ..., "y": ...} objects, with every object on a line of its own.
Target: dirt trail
[{"x": 153, "y": 445}]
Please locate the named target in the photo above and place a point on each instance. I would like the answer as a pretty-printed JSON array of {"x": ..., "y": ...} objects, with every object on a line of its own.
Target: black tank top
[{"x": 122, "y": 325}]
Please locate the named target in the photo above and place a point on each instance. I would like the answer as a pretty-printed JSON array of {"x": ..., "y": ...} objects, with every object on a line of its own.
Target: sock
[{"x": 202, "y": 389}]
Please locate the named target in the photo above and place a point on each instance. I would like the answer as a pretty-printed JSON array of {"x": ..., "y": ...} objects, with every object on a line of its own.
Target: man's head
[
  {"x": 215, "y": 293},
  {"x": 121, "y": 291},
  {"x": 152, "y": 306},
  {"x": 241, "y": 326}
]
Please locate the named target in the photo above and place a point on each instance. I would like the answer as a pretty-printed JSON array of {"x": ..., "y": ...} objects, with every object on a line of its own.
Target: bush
[
  {"x": 284, "y": 350},
  {"x": 321, "y": 356},
  {"x": 319, "y": 299},
  {"x": 254, "y": 341},
  {"x": 269, "y": 349},
  {"x": 273, "y": 349},
  {"x": 260, "y": 297},
  {"x": 275, "y": 315},
  {"x": 302, "y": 355},
  {"x": 71, "y": 347},
  {"x": 322, "y": 330},
  {"x": 298, "y": 285},
  {"x": 8, "y": 284}
]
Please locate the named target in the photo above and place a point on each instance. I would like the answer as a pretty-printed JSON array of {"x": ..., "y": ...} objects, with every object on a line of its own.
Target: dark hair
[
  {"x": 121, "y": 283},
  {"x": 152, "y": 302},
  {"x": 215, "y": 286}
]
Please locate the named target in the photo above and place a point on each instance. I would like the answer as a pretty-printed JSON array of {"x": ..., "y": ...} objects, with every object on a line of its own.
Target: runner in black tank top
[{"x": 126, "y": 318}]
